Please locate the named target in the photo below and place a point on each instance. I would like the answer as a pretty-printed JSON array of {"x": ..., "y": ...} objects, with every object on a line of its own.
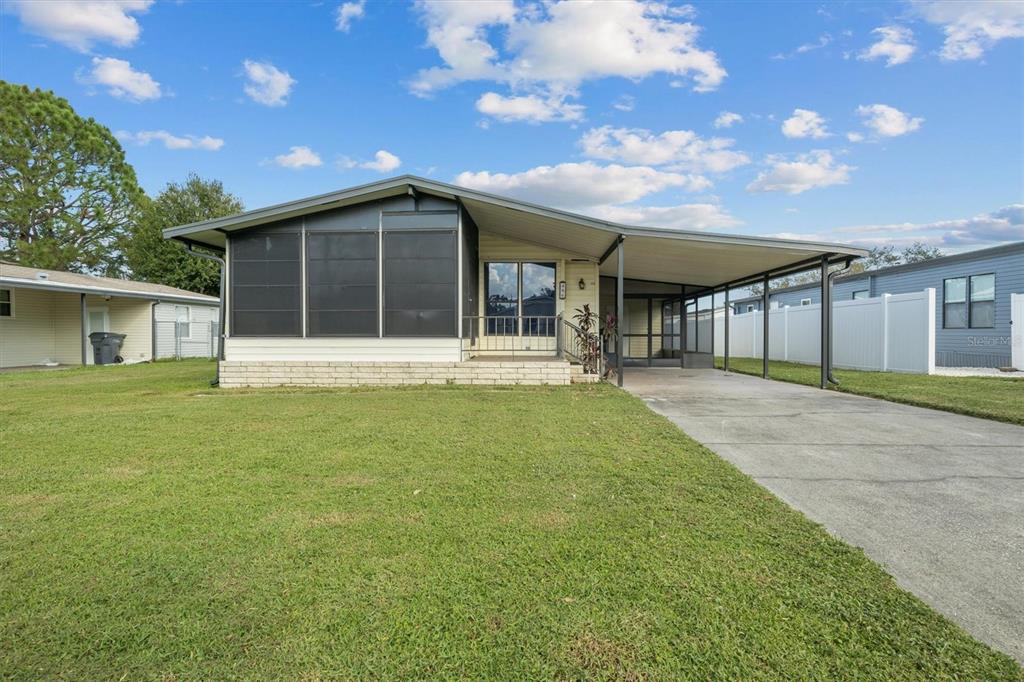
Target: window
[
  {"x": 341, "y": 276},
  {"x": 520, "y": 290},
  {"x": 954, "y": 303},
  {"x": 857, "y": 295},
  {"x": 266, "y": 292},
  {"x": 805, "y": 301},
  {"x": 983, "y": 301},
  {"x": 420, "y": 283},
  {"x": 6, "y": 303},
  {"x": 502, "y": 298},
  {"x": 183, "y": 321},
  {"x": 750, "y": 307}
]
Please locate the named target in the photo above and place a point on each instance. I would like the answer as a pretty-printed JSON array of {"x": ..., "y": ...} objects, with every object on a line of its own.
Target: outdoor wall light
[{"x": 583, "y": 284}]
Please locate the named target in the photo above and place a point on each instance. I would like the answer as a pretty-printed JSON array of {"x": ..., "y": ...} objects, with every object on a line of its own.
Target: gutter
[
  {"x": 220, "y": 346},
  {"x": 152, "y": 329}
]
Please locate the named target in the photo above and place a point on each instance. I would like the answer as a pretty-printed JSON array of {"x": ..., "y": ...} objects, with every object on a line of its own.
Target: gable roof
[
  {"x": 654, "y": 253},
  {"x": 57, "y": 280}
]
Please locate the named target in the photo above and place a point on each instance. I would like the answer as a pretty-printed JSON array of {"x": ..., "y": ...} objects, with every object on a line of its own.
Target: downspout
[
  {"x": 846, "y": 266},
  {"x": 220, "y": 346}
]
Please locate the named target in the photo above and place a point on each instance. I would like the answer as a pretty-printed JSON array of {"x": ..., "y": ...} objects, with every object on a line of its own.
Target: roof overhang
[
  {"x": 695, "y": 258},
  {"x": 62, "y": 287}
]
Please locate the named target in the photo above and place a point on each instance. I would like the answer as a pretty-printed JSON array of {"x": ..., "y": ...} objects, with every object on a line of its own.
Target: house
[
  {"x": 46, "y": 317},
  {"x": 410, "y": 280},
  {"x": 973, "y": 290}
]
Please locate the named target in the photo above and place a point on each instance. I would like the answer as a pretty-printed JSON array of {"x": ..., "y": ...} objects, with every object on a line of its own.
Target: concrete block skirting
[{"x": 241, "y": 373}]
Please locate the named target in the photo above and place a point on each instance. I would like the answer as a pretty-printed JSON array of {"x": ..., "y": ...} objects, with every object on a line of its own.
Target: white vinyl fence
[
  {"x": 890, "y": 333},
  {"x": 1017, "y": 331}
]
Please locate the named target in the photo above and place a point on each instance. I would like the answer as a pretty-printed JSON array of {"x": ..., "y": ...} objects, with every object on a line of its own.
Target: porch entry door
[{"x": 651, "y": 328}]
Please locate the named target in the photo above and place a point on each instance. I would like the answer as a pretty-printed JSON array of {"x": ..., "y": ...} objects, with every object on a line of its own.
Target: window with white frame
[
  {"x": 6, "y": 303},
  {"x": 857, "y": 295},
  {"x": 805, "y": 301},
  {"x": 750, "y": 307},
  {"x": 969, "y": 302},
  {"x": 183, "y": 321},
  {"x": 520, "y": 292}
]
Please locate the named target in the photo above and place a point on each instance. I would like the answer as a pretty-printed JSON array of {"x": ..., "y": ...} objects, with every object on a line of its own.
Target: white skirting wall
[
  {"x": 266, "y": 349},
  {"x": 240, "y": 373}
]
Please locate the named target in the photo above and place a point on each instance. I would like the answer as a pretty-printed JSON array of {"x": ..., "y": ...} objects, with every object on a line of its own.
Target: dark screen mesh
[
  {"x": 420, "y": 283},
  {"x": 341, "y": 273},
  {"x": 265, "y": 285}
]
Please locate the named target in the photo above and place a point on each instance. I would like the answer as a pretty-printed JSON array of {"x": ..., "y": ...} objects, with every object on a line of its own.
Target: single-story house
[
  {"x": 973, "y": 293},
  {"x": 46, "y": 317},
  {"x": 410, "y": 280}
]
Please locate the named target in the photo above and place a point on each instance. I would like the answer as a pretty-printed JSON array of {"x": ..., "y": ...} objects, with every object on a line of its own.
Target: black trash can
[{"x": 106, "y": 347}]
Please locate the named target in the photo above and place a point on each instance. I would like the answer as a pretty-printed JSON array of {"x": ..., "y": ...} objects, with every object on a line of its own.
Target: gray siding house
[{"x": 972, "y": 297}]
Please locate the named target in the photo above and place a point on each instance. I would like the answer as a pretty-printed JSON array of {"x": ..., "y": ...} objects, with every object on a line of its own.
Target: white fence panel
[
  {"x": 889, "y": 333},
  {"x": 1017, "y": 331}
]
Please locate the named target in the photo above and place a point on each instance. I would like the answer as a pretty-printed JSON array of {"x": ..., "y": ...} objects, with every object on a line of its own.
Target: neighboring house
[
  {"x": 972, "y": 297},
  {"x": 409, "y": 280},
  {"x": 47, "y": 315}
]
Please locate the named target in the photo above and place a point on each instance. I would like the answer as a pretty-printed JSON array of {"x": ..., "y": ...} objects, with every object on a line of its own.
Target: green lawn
[
  {"x": 989, "y": 397},
  {"x": 154, "y": 528}
]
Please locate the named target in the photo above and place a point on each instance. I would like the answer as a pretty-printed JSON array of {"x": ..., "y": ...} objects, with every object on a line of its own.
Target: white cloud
[
  {"x": 556, "y": 47},
  {"x": 267, "y": 84},
  {"x": 383, "y": 162},
  {"x": 888, "y": 121},
  {"x": 121, "y": 80},
  {"x": 895, "y": 44},
  {"x": 974, "y": 26},
  {"x": 727, "y": 119},
  {"x": 625, "y": 103},
  {"x": 680, "y": 150},
  {"x": 144, "y": 137},
  {"x": 681, "y": 217},
  {"x": 347, "y": 13},
  {"x": 823, "y": 40},
  {"x": 805, "y": 123},
  {"x": 816, "y": 169},
  {"x": 579, "y": 186},
  {"x": 987, "y": 229},
  {"x": 529, "y": 108},
  {"x": 78, "y": 24},
  {"x": 298, "y": 157},
  {"x": 855, "y": 136}
]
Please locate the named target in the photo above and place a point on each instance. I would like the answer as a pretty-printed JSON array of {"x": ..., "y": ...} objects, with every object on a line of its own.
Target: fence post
[
  {"x": 929, "y": 297},
  {"x": 785, "y": 333},
  {"x": 885, "y": 332}
]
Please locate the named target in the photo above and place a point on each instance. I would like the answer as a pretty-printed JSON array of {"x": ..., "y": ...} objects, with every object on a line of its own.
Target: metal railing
[
  {"x": 523, "y": 336},
  {"x": 512, "y": 336},
  {"x": 583, "y": 347}
]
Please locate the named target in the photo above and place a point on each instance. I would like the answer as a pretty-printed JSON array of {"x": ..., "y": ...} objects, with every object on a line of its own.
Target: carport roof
[{"x": 696, "y": 258}]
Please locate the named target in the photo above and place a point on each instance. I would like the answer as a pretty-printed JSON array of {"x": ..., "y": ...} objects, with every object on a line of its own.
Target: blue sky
[{"x": 861, "y": 122}]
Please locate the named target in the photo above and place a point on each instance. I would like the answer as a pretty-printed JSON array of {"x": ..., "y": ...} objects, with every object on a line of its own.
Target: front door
[{"x": 96, "y": 320}]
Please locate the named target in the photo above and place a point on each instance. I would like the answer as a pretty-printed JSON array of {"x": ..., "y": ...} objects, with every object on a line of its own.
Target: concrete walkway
[{"x": 936, "y": 498}]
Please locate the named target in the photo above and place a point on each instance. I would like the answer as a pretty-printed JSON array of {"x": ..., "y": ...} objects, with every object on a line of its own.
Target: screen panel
[
  {"x": 420, "y": 283},
  {"x": 341, "y": 280},
  {"x": 266, "y": 295}
]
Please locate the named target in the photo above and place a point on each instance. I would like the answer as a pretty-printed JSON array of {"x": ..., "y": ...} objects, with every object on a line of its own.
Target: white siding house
[{"x": 46, "y": 317}]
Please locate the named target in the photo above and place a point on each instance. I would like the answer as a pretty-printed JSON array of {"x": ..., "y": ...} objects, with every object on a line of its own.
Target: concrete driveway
[{"x": 935, "y": 498}]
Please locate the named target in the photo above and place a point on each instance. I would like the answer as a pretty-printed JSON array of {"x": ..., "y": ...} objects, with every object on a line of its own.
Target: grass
[
  {"x": 987, "y": 397},
  {"x": 152, "y": 527}
]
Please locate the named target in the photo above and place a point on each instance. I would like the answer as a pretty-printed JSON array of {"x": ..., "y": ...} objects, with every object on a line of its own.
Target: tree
[
  {"x": 67, "y": 195},
  {"x": 919, "y": 251},
  {"x": 155, "y": 259}
]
